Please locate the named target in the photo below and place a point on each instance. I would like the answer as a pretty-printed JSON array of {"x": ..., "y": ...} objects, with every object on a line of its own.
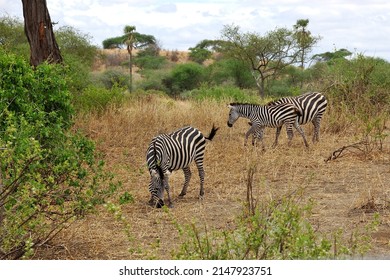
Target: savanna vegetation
[{"x": 73, "y": 137}]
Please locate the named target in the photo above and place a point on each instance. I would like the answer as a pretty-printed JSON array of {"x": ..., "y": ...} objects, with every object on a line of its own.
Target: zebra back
[
  {"x": 175, "y": 150},
  {"x": 311, "y": 104},
  {"x": 263, "y": 115}
]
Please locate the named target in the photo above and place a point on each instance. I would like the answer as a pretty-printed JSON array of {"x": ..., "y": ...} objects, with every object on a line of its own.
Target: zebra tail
[{"x": 212, "y": 133}]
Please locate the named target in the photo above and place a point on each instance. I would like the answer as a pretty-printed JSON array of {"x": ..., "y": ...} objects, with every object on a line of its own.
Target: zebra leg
[
  {"x": 300, "y": 130},
  {"x": 259, "y": 135},
  {"x": 249, "y": 132},
  {"x": 199, "y": 164},
  {"x": 166, "y": 186},
  {"x": 290, "y": 134},
  {"x": 278, "y": 129},
  {"x": 316, "y": 136},
  {"x": 187, "y": 177}
]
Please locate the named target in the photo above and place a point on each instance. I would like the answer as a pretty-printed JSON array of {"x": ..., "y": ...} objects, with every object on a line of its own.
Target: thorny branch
[{"x": 360, "y": 146}]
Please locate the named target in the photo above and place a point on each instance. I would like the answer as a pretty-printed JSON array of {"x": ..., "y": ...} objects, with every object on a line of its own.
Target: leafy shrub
[
  {"x": 150, "y": 62},
  {"x": 220, "y": 93},
  {"x": 48, "y": 176},
  {"x": 184, "y": 77},
  {"x": 358, "y": 95},
  {"x": 230, "y": 71},
  {"x": 13, "y": 37},
  {"x": 199, "y": 55},
  {"x": 97, "y": 99},
  {"x": 114, "y": 77}
]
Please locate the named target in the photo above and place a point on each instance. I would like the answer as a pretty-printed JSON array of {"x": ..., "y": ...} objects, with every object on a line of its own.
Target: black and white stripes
[
  {"x": 312, "y": 105},
  {"x": 266, "y": 116},
  {"x": 174, "y": 151}
]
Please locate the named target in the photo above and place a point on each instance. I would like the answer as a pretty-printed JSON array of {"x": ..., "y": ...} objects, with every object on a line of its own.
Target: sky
[{"x": 362, "y": 27}]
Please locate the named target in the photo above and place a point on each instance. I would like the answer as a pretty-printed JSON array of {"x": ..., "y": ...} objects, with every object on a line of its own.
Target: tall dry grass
[{"x": 339, "y": 188}]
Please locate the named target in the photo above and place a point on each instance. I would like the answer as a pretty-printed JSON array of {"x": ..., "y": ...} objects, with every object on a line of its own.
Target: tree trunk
[{"x": 39, "y": 32}]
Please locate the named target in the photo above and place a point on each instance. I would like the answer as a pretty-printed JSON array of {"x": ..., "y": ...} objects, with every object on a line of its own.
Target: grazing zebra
[
  {"x": 262, "y": 116},
  {"x": 312, "y": 105},
  {"x": 174, "y": 151}
]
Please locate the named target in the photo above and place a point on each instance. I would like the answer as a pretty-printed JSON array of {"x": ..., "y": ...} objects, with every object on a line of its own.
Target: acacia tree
[
  {"x": 131, "y": 40},
  {"x": 305, "y": 40},
  {"x": 39, "y": 31},
  {"x": 266, "y": 55}
]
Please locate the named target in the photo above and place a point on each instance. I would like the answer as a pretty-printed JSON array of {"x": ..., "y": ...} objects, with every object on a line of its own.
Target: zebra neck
[{"x": 247, "y": 111}]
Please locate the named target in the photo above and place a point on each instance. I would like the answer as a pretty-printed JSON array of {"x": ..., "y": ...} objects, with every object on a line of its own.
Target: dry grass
[{"x": 342, "y": 189}]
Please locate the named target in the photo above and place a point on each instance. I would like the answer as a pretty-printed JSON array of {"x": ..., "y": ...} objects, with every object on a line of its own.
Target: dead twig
[{"x": 360, "y": 146}]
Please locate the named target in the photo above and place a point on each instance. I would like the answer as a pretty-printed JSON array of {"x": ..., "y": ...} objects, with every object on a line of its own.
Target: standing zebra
[
  {"x": 262, "y": 116},
  {"x": 174, "y": 151},
  {"x": 312, "y": 105}
]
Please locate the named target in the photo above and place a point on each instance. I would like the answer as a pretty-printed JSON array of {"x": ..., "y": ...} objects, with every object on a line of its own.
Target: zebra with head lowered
[
  {"x": 312, "y": 105},
  {"x": 174, "y": 151},
  {"x": 270, "y": 116}
]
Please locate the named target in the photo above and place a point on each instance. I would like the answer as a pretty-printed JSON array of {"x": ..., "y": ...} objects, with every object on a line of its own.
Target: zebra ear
[{"x": 229, "y": 106}]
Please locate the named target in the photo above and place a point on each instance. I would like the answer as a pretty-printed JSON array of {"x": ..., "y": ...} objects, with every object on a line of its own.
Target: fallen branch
[{"x": 360, "y": 146}]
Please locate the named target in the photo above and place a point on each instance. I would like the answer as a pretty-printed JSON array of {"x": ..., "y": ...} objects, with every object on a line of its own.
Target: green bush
[
  {"x": 114, "y": 77},
  {"x": 221, "y": 93},
  {"x": 49, "y": 176},
  {"x": 230, "y": 72},
  {"x": 97, "y": 99},
  {"x": 153, "y": 80},
  {"x": 149, "y": 62},
  {"x": 184, "y": 77},
  {"x": 358, "y": 95}
]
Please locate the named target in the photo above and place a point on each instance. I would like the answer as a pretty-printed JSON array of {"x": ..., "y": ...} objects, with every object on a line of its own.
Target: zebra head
[
  {"x": 233, "y": 115},
  {"x": 156, "y": 186}
]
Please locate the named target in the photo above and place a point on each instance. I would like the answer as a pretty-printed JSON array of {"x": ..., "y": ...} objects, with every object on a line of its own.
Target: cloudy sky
[{"x": 359, "y": 26}]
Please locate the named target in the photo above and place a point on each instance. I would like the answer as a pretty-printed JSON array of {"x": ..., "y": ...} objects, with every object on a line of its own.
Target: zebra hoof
[{"x": 181, "y": 195}]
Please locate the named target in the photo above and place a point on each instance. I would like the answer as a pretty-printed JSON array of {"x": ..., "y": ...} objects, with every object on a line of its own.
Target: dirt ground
[{"x": 347, "y": 191}]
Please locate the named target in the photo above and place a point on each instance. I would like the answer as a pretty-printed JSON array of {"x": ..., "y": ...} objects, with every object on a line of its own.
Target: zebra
[
  {"x": 174, "y": 151},
  {"x": 270, "y": 116},
  {"x": 312, "y": 105}
]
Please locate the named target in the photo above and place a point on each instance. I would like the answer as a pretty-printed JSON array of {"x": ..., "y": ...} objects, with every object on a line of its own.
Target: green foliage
[
  {"x": 77, "y": 44},
  {"x": 329, "y": 56},
  {"x": 359, "y": 95},
  {"x": 230, "y": 71},
  {"x": 184, "y": 77},
  {"x": 221, "y": 93},
  {"x": 150, "y": 61},
  {"x": 114, "y": 77},
  {"x": 12, "y": 37},
  {"x": 199, "y": 55},
  {"x": 97, "y": 99},
  {"x": 278, "y": 229},
  {"x": 139, "y": 40},
  {"x": 48, "y": 176},
  {"x": 154, "y": 80},
  {"x": 266, "y": 55},
  {"x": 79, "y": 55}
]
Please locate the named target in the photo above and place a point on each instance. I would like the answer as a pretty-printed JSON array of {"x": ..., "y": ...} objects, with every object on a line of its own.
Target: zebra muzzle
[{"x": 229, "y": 124}]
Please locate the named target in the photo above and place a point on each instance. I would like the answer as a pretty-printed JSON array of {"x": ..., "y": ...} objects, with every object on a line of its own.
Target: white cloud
[{"x": 358, "y": 26}]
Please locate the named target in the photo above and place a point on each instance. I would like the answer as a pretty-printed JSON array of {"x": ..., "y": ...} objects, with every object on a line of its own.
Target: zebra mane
[
  {"x": 238, "y": 103},
  {"x": 158, "y": 165}
]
